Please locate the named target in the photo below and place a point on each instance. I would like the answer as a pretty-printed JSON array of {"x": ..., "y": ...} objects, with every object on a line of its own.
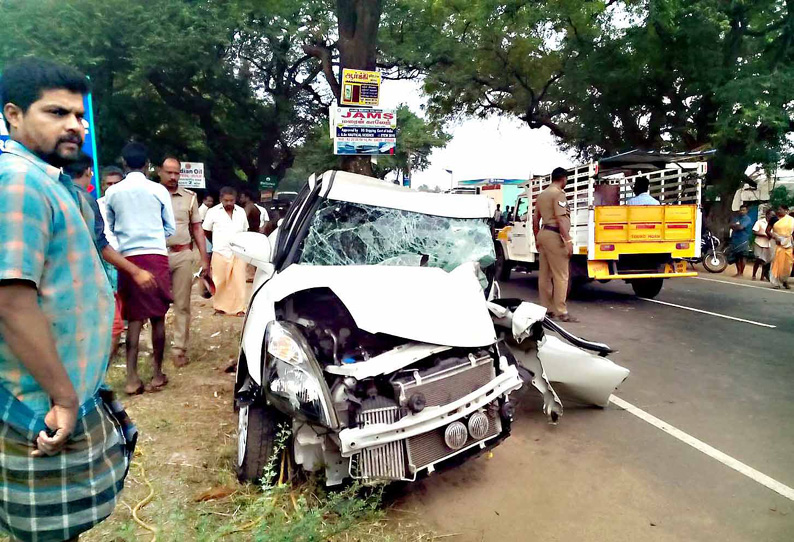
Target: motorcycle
[{"x": 713, "y": 258}]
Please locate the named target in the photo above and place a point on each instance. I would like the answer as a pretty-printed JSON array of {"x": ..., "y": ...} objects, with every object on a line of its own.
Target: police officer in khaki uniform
[
  {"x": 181, "y": 259},
  {"x": 555, "y": 245}
]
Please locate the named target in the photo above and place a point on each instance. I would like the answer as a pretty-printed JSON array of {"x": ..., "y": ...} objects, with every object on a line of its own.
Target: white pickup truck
[{"x": 642, "y": 244}]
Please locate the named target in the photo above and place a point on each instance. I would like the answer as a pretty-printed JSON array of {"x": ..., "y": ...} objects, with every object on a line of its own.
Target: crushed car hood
[{"x": 422, "y": 304}]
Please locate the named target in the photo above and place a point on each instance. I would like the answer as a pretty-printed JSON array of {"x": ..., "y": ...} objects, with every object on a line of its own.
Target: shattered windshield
[{"x": 344, "y": 233}]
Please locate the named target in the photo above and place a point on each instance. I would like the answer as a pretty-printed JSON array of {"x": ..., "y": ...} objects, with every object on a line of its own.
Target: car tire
[
  {"x": 649, "y": 288},
  {"x": 256, "y": 440},
  {"x": 503, "y": 266}
]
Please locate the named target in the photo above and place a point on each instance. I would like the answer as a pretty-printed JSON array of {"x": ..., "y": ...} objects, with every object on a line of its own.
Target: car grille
[{"x": 392, "y": 460}]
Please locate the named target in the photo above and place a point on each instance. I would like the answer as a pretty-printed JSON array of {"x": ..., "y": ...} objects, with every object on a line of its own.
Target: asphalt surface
[{"x": 607, "y": 475}]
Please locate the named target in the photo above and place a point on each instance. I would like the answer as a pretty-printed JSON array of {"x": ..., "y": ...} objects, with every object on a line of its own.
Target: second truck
[{"x": 642, "y": 245}]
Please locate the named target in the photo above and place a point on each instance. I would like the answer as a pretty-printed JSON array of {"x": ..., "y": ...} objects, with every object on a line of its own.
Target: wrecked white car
[{"x": 376, "y": 333}]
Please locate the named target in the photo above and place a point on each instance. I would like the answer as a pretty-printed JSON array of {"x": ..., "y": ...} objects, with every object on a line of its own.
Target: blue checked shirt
[{"x": 44, "y": 239}]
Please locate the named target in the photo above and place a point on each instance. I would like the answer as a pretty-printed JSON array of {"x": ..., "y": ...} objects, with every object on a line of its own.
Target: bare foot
[
  {"x": 737, "y": 276},
  {"x": 567, "y": 318},
  {"x": 157, "y": 383},
  {"x": 753, "y": 278},
  {"x": 134, "y": 388},
  {"x": 180, "y": 359},
  {"x": 241, "y": 313}
]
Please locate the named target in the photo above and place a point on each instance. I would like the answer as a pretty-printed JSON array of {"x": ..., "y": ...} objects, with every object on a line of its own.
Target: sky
[{"x": 497, "y": 147}]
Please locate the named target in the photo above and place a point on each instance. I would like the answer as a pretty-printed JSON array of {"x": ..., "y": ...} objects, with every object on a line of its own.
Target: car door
[{"x": 520, "y": 234}]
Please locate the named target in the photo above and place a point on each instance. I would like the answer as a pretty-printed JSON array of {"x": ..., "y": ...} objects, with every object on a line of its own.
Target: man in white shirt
[
  {"x": 762, "y": 245},
  {"x": 264, "y": 218},
  {"x": 221, "y": 224},
  {"x": 207, "y": 203},
  {"x": 139, "y": 213}
]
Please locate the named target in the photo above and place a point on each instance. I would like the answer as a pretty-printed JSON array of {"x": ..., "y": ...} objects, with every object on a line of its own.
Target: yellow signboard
[{"x": 360, "y": 88}]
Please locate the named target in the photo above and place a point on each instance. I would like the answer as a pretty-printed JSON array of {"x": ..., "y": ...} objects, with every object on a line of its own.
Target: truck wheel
[
  {"x": 256, "y": 440},
  {"x": 503, "y": 266},
  {"x": 649, "y": 288}
]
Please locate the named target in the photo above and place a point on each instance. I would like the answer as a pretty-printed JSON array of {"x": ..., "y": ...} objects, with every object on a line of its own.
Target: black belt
[{"x": 552, "y": 228}]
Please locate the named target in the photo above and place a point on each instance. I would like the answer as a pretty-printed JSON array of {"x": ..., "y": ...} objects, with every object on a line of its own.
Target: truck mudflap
[{"x": 600, "y": 270}]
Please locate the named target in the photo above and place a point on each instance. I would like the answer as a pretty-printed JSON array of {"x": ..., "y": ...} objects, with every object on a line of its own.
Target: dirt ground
[
  {"x": 187, "y": 439},
  {"x": 182, "y": 483}
]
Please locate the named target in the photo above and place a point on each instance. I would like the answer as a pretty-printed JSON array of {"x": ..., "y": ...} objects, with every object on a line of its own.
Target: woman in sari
[{"x": 781, "y": 232}]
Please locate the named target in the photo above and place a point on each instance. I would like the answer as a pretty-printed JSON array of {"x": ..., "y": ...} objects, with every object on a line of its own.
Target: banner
[
  {"x": 360, "y": 88},
  {"x": 359, "y": 131},
  {"x": 192, "y": 175},
  {"x": 89, "y": 143}
]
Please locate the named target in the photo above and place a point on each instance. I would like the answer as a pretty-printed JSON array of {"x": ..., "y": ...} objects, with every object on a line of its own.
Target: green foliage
[
  {"x": 608, "y": 76},
  {"x": 781, "y": 196},
  {"x": 222, "y": 82}
]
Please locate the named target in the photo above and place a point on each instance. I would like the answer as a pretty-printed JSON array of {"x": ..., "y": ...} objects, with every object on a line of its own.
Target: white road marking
[
  {"x": 747, "y": 285},
  {"x": 710, "y": 451},
  {"x": 709, "y": 313}
]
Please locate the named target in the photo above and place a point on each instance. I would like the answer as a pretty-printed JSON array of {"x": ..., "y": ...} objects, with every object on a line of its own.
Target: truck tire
[
  {"x": 256, "y": 440},
  {"x": 649, "y": 288},
  {"x": 503, "y": 266}
]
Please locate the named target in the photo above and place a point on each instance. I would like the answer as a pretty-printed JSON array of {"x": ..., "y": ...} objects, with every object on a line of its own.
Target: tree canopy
[
  {"x": 227, "y": 83},
  {"x": 605, "y": 76}
]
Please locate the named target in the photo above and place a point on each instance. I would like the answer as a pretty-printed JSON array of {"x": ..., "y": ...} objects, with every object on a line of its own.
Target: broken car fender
[{"x": 583, "y": 376}]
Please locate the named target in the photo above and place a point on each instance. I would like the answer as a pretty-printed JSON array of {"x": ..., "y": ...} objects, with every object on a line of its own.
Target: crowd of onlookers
[{"x": 768, "y": 240}]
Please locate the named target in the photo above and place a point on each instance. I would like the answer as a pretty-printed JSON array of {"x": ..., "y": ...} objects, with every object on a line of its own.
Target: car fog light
[
  {"x": 478, "y": 425},
  {"x": 455, "y": 435}
]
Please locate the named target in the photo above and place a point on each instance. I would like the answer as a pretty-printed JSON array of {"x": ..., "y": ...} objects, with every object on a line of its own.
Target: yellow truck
[{"x": 641, "y": 244}]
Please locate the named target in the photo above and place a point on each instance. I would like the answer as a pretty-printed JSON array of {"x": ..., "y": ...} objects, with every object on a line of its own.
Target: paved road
[{"x": 606, "y": 475}]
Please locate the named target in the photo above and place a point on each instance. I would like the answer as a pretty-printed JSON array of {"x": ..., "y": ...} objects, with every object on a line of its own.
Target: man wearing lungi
[
  {"x": 221, "y": 224},
  {"x": 139, "y": 214},
  {"x": 63, "y": 451}
]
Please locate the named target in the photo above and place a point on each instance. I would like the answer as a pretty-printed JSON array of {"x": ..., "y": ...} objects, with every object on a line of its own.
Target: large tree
[
  {"x": 227, "y": 83},
  {"x": 354, "y": 45},
  {"x": 605, "y": 76}
]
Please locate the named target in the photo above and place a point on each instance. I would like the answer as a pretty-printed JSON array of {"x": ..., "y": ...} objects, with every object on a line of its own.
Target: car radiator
[{"x": 402, "y": 459}]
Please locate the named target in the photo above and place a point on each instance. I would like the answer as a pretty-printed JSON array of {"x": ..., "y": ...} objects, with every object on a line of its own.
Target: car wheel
[
  {"x": 649, "y": 288},
  {"x": 257, "y": 426}
]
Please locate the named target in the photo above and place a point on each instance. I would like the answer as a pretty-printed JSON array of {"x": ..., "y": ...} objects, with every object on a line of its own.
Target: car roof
[{"x": 344, "y": 186}]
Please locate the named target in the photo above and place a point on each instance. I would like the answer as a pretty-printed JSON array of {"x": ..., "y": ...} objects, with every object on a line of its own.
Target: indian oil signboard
[
  {"x": 360, "y": 88},
  {"x": 361, "y": 131},
  {"x": 192, "y": 175}
]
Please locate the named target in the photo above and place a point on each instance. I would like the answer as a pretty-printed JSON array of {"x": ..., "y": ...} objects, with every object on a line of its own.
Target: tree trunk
[{"x": 358, "y": 38}]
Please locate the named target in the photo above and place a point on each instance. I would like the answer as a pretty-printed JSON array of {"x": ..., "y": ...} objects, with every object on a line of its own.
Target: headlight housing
[{"x": 293, "y": 379}]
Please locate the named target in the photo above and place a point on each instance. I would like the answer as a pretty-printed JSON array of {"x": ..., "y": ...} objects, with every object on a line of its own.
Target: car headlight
[{"x": 293, "y": 377}]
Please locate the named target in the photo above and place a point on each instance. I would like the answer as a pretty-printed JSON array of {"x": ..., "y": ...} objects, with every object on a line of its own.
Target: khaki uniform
[
  {"x": 552, "y": 204},
  {"x": 182, "y": 263}
]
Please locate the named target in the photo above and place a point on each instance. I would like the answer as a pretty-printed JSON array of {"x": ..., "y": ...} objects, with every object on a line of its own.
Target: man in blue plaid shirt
[{"x": 63, "y": 451}]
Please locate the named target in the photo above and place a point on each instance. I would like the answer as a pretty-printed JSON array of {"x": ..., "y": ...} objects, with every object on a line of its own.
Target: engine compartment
[{"x": 420, "y": 386}]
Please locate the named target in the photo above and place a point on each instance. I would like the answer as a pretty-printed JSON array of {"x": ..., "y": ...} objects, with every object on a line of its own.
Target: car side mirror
[{"x": 253, "y": 248}]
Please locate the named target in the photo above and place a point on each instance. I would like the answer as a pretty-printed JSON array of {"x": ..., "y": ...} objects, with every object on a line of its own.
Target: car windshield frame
[{"x": 344, "y": 233}]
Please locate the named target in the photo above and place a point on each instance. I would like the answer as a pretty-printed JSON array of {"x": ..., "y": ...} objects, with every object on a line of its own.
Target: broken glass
[{"x": 345, "y": 233}]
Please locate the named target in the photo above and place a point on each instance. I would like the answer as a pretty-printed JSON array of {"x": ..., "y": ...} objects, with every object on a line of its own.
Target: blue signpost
[{"x": 89, "y": 144}]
